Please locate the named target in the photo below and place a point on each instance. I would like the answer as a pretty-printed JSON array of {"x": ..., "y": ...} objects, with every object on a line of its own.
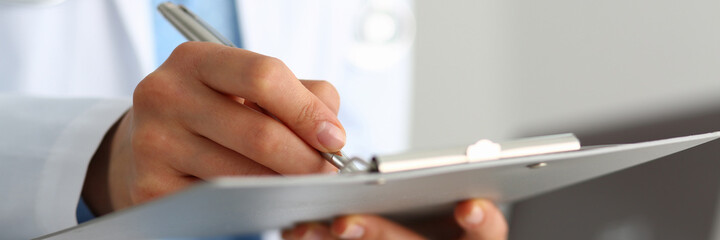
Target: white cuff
[{"x": 68, "y": 159}]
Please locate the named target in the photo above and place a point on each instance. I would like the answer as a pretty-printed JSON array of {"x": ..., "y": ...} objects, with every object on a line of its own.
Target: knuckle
[
  {"x": 325, "y": 88},
  {"x": 156, "y": 89},
  {"x": 187, "y": 57},
  {"x": 185, "y": 49},
  {"x": 309, "y": 112},
  {"x": 262, "y": 73},
  {"x": 226, "y": 53},
  {"x": 145, "y": 90},
  {"x": 328, "y": 93}
]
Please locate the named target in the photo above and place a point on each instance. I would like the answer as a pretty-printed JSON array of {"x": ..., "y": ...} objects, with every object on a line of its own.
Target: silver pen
[
  {"x": 195, "y": 29},
  {"x": 190, "y": 25}
]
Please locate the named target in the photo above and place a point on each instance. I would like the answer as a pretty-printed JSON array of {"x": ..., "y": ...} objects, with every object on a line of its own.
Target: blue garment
[
  {"x": 83, "y": 212},
  {"x": 222, "y": 15}
]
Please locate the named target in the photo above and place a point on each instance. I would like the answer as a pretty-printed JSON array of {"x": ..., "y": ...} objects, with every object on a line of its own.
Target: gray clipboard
[{"x": 228, "y": 206}]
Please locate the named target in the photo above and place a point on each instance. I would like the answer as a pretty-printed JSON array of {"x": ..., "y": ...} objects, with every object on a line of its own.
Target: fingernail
[
  {"x": 352, "y": 231},
  {"x": 330, "y": 136},
  {"x": 476, "y": 215}
]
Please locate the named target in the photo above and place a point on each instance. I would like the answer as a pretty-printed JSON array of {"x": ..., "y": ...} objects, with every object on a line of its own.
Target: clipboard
[{"x": 241, "y": 205}]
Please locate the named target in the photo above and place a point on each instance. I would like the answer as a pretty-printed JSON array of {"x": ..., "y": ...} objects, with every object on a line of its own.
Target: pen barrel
[
  {"x": 334, "y": 160},
  {"x": 190, "y": 25}
]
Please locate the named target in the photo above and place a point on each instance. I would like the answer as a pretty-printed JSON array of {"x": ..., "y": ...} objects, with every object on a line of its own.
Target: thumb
[{"x": 481, "y": 220}]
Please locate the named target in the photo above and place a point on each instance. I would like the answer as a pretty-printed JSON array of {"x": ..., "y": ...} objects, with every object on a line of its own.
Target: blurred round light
[
  {"x": 379, "y": 27},
  {"x": 384, "y": 36}
]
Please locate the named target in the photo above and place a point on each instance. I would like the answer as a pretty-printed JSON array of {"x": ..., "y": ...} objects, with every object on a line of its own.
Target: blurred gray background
[{"x": 610, "y": 71}]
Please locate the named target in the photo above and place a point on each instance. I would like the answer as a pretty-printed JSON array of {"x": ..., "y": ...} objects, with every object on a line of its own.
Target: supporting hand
[{"x": 479, "y": 220}]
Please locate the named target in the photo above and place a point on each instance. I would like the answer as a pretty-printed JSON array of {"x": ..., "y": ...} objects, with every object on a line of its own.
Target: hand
[
  {"x": 479, "y": 220},
  {"x": 212, "y": 111}
]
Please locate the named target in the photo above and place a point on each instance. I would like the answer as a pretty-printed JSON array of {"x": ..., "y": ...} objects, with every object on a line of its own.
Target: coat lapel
[{"x": 136, "y": 21}]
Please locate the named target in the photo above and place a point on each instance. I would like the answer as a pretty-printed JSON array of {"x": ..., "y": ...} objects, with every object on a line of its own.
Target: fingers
[
  {"x": 308, "y": 231},
  {"x": 325, "y": 91},
  {"x": 351, "y": 227},
  {"x": 370, "y": 227},
  {"x": 265, "y": 81},
  {"x": 252, "y": 134},
  {"x": 210, "y": 160},
  {"x": 481, "y": 220},
  {"x": 233, "y": 122}
]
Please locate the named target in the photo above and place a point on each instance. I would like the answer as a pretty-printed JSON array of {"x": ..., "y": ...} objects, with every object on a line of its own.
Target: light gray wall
[
  {"x": 603, "y": 69},
  {"x": 457, "y": 87},
  {"x": 500, "y": 69}
]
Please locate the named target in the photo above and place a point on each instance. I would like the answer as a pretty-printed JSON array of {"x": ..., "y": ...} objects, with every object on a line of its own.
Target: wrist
[{"x": 95, "y": 191}]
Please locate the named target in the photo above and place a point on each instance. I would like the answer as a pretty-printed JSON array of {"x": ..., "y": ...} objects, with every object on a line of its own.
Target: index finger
[{"x": 267, "y": 82}]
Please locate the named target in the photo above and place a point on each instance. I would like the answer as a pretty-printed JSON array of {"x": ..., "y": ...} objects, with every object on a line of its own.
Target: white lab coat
[
  {"x": 90, "y": 48},
  {"x": 44, "y": 154}
]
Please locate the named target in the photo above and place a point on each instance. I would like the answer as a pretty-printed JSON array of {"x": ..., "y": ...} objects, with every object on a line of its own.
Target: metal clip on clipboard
[{"x": 483, "y": 150}]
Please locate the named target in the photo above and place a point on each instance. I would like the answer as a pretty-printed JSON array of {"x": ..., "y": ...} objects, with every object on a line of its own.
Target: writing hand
[{"x": 210, "y": 111}]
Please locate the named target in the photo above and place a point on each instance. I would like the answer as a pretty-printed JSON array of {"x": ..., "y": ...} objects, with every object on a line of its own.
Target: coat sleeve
[{"x": 45, "y": 147}]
